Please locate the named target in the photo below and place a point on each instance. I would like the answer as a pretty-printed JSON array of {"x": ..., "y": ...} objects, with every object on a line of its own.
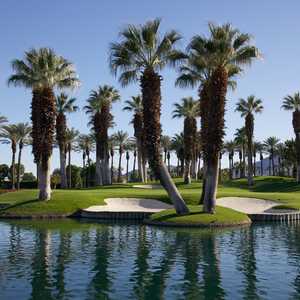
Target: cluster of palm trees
[{"x": 210, "y": 64}]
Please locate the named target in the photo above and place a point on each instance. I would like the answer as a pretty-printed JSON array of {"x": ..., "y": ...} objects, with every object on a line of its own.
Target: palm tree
[
  {"x": 64, "y": 105},
  {"x": 270, "y": 145},
  {"x": 99, "y": 107},
  {"x": 139, "y": 56},
  {"x": 165, "y": 143},
  {"x": 70, "y": 138},
  {"x": 9, "y": 135},
  {"x": 121, "y": 139},
  {"x": 241, "y": 141},
  {"x": 178, "y": 146},
  {"x": 135, "y": 105},
  {"x": 248, "y": 107},
  {"x": 189, "y": 109},
  {"x": 23, "y": 131},
  {"x": 215, "y": 60},
  {"x": 111, "y": 146},
  {"x": 258, "y": 148},
  {"x": 42, "y": 71},
  {"x": 85, "y": 143},
  {"x": 230, "y": 147},
  {"x": 292, "y": 103}
]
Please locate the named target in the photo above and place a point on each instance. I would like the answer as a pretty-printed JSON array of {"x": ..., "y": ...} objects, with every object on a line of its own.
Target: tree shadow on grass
[{"x": 19, "y": 204}]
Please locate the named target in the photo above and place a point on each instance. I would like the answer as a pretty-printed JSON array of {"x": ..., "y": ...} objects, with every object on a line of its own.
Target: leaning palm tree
[
  {"x": 135, "y": 105},
  {"x": 9, "y": 135},
  {"x": 23, "y": 132},
  {"x": 292, "y": 103},
  {"x": 139, "y": 56},
  {"x": 64, "y": 105},
  {"x": 270, "y": 145},
  {"x": 220, "y": 56},
  {"x": 42, "y": 71},
  {"x": 70, "y": 139},
  {"x": 85, "y": 144},
  {"x": 189, "y": 109},
  {"x": 121, "y": 140},
  {"x": 248, "y": 107},
  {"x": 99, "y": 109}
]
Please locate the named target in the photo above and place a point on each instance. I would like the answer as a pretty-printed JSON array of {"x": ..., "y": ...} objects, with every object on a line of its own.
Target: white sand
[
  {"x": 129, "y": 205},
  {"x": 250, "y": 205},
  {"x": 148, "y": 186}
]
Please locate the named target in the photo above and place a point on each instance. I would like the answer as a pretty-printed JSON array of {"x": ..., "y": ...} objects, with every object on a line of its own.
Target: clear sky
[{"x": 81, "y": 31}]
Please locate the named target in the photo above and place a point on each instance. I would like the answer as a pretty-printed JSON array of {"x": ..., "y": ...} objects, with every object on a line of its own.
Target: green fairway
[{"x": 64, "y": 202}]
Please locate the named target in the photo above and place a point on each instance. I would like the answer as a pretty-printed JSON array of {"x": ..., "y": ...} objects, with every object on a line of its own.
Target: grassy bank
[{"x": 65, "y": 202}]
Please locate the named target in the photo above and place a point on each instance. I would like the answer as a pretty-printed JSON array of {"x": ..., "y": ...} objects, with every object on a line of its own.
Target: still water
[{"x": 79, "y": 260}]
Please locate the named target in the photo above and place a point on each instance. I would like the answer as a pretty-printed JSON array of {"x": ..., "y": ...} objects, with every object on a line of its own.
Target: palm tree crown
[
  {"x": 64, "y": 104},
  {"x": 134, "y": 105},
  {"x": 248, "y": 106},
  {"x": 143, "y": 48},
  {"x": 291, "y": 102},
  {"x": 42, "y": 68},
  {"x": 189, "y": 108}
]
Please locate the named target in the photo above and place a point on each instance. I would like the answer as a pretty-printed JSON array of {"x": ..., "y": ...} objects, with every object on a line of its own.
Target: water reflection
[{"x": 72, "y": 260}]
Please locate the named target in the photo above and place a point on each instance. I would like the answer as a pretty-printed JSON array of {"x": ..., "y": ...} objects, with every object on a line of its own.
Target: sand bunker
[
  {"x": 129, "y": 205},
  {"x": 148, "y": 186}
]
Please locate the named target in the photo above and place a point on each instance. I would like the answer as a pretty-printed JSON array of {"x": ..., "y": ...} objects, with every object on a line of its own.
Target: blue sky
[{"x": 82, "y": 30}]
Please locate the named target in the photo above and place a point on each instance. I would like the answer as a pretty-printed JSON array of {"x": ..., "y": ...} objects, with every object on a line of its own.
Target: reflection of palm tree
[
  {"x": 247, "y": 263},
  {"x": 62, "y": 258},
  {"x": 40, "y": 267},
  {"x": 99, "y": 285}
]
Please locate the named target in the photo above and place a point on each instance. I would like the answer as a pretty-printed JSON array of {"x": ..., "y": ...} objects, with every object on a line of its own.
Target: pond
[{"x": 71, "y": 259}]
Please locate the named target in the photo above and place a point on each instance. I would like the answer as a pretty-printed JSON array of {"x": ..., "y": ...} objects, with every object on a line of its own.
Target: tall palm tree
[
  {"x": 99, "y": 108},
  {"x": 85, "y": 143},
  {"x": 70, "y": 138},
  {"x": 292, "y": 103},
  {"x": 111, "y": 146},
  {"x": 221, "y": 56},
  {"x": 64, "y": 105},
  {"x": 121, "y": 139},
  {"x": 189, "y": 109},
  {"x": 139, "y": 56},
  {"x": 241, "y": 141},
  {"x": 270, "y": 145},
  {"x": 178, "y": 147},
  {"x": 135, "y": 105},
  {"x": 230, "y": 147},
  {"x": 23, "y": 131},
  {"x": 9, "y": 135},
  {"x": 248, "y": 107},
  {"x": 42, "y": 70}
]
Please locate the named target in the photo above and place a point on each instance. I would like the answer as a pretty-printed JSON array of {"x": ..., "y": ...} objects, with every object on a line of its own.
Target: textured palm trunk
[
  {"x": 254, "y": 164},
  {"x": 151, "y": 95},
  {"x": 249, "y": 125},
  {"x": 88, "y": 183},
  {"x": 70, "y": 167},
  {"x": 13, "y": 171},
  {"x": 213, "y": 133},
  {"x": 111, "y": 167},
  {"x": 44, "y": 181},
  {"x": 244, "y": 162},
  {"x": 220, "y": 168},
  {"x": 169, "y": 163},
  {"x": 43, "y": 116},
  {"x": 187, "y": 172},
  {"x": 134, "y": 162},
  {"x": 203, "y": 182},
  {"x": 120, "y": 166},
  {"x": 63, "y": 173},
  {"x": 199, "y": 167},
  {"x": 61, "y": 139},
  {"x": 19, "y": 165},
  {"x": 127, "y": 166}
]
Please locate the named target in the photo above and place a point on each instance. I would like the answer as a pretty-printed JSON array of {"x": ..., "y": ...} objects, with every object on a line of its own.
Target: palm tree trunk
[
  {"x": 187, "y": 172},
  {"x": 273, "y": 165},
  {"x": 63, "y": 173},
  {"x": 203, "y": 181},
  {"x": 140, "y": 160},
  {"x": 13, "y": 171},
  {"x": 249, "y": 125},
  {"x": 120, "y": 166},
  {"x": 134, "y": 163},
  {"x": 254, "y": 164},
  {"x": 70, "y": 168},
  {"x": 199, "y": 167},
  {"x": 244, "y": 161},
  {"x": 169, "y": 164},
  {"x": 19, "y": 165},
  {"x": 89, "y": 169},
  {"x": 151, "y": 95},
  {"x": 111, "y": 168},
  {"x": 127, "y": 170},
  {"x": 261, "y": 166},
  {"x": 44, "y": 181},
  {"x": 298, "y": 156}
]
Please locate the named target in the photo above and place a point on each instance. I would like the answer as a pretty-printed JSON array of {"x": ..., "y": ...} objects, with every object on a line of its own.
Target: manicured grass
[
  {"x": 222, "y": 217},
  {"x": 64, "y": 202}
]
